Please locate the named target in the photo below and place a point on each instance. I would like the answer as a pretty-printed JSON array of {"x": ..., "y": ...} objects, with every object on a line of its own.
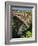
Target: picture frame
[{"x": 9, "y": 7}]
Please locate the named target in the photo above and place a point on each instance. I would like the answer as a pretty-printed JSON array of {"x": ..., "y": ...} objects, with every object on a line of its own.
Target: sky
[{"x": 21, "y": 8}]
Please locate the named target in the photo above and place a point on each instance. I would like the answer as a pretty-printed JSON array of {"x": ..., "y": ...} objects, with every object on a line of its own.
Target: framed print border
[{"x": 7, "y": 17}]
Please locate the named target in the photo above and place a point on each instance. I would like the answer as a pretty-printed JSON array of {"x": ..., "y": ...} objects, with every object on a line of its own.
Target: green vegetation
[
  {"x": 28, "y": 34},
  {"x": 28, "y": 12}
]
